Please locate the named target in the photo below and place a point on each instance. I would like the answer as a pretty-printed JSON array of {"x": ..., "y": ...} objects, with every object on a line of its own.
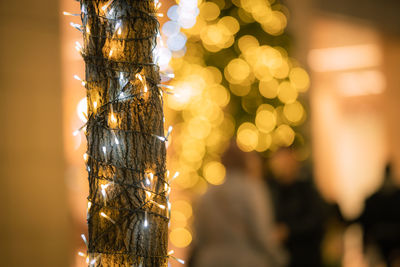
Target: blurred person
[
  {"x": 381, "y": 222},
  {"x": 299, "y": 210},
  {"x": 233, "y": 222}
]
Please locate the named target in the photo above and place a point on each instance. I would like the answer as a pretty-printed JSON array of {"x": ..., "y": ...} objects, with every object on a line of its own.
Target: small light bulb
[
  {"x": 108, "y": 218},
  {"x": 87, "y": 29},
  {"x": 81, "y": 254},
  {"x": 113, "y": 118},
  {"x": 85, "y": 157},
  {"x": 104, "y": 149},
  {"x": 171, "y": 252},
  {"x": 145, "y": 223},
  {"x": 84, "y": 239},
  {"x": 175, "y": 175},
  {"x": 94, "y": 104},
  {"x": 110, "y": 54}
]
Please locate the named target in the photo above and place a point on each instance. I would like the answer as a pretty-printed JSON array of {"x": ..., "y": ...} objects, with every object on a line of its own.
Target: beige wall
[{"x": 34, "y": 220}]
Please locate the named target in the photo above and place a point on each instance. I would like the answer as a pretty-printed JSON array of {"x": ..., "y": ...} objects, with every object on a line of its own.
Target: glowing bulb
[
  {"x": 95, "y": 105},
  {"x": 145, "y": 88},
  {"x": 118, "y": 28},
  {"x": 107, "y": 5},
  {"x": 138, "y": 76},
  {"x": 157, "y": 4},
  {"x": 113, "y": 118},
  {"x": 108, "y": 218},
  {"x": 175, "y": 176},
  {"x": 84, "y": 239},
  {"x": 103, "y": 191},
  {"x": 89, "y": 204},
  {"x": 147, "y": 181},
  {"x": 87, "y": 29},
  {"x": 160, "y": 15},
  {"x": 77, "y": 78},
  {"x": 76, "y": 26},
  {"x": 145, "y": 223},
  {"x": 171, "y": 252},
  {"x": 110, "y": 54},
  {"x": 104, "y": 149},
  {"x": 81, "y": 254},
  {"x": 85, "y": 157}
]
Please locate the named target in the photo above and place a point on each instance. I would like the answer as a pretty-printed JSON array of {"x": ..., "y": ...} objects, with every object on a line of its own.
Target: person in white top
[{"x": 233, "y": 222}]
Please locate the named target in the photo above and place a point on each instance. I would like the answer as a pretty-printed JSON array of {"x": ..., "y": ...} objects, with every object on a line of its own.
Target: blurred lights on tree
[{"x": 234, "y": 78}]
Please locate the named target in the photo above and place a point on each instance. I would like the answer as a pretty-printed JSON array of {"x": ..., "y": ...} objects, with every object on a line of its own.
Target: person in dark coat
[
  {"x": 299, "y": 210},
  {"x": 381, "y": 220}
]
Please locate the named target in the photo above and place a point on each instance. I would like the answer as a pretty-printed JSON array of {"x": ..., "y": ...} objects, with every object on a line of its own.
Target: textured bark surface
[{"x": 119, "y": 38}]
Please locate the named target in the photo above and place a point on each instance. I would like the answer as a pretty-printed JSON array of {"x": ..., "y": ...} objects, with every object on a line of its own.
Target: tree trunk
[{"x": 128, "y": 196}]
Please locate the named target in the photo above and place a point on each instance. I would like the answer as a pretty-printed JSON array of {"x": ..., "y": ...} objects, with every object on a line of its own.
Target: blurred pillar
[
  {"x": 391, "y": 48},
  {"x": 34, "y": 226}
]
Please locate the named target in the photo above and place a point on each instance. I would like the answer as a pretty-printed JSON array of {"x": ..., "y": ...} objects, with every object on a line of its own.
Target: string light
[
  {"x": 84, "y": 239},
  {"x": 76, "y": 26},
  {"x": 107, "y": 5},
  {"x": 145, "y": 223},
  {"x": 108, "y": 218},
  {"x": 105, "y": 110},
  {"x": 79, "y": 79}
]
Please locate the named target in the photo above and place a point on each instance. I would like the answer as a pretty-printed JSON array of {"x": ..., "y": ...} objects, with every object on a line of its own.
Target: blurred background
[{"x": 312, "y": 86}]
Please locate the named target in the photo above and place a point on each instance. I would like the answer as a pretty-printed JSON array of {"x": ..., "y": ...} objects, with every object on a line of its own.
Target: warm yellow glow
[
  {"x": 209, "y": 11},
  {"x": 180, "y": 237},
  {"x": 265, "y": 120},
  {"x": 184, "y": 207},
  {"x": 275, "y": 24},
  {"x": 214, "y": 172},
  {"x": 299, "y": 79},
  {"x": 240, "y": 89},
  {"x": 237, "y": 71},
  {"x": 247, "y": 137},
  {"x": 345, "y": 57},
  {"x": 283, "y": 135},
  {"x": 264, "y": 142},
  {"x": 230, "y": 24},
  {"x": 269, "y": 88},
  {"x": 293, "y": 112},
  {"x": 287, "y": 93},
  {"x": 199, "y": 127},
  {"x": 112, "y": 121},
  {"x": 247, "y": 42},
  {"x": 219, "y": 94}
]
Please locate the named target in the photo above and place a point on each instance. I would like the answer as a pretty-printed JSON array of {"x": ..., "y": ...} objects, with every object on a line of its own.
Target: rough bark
[{"x": 125, "y": 126}]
